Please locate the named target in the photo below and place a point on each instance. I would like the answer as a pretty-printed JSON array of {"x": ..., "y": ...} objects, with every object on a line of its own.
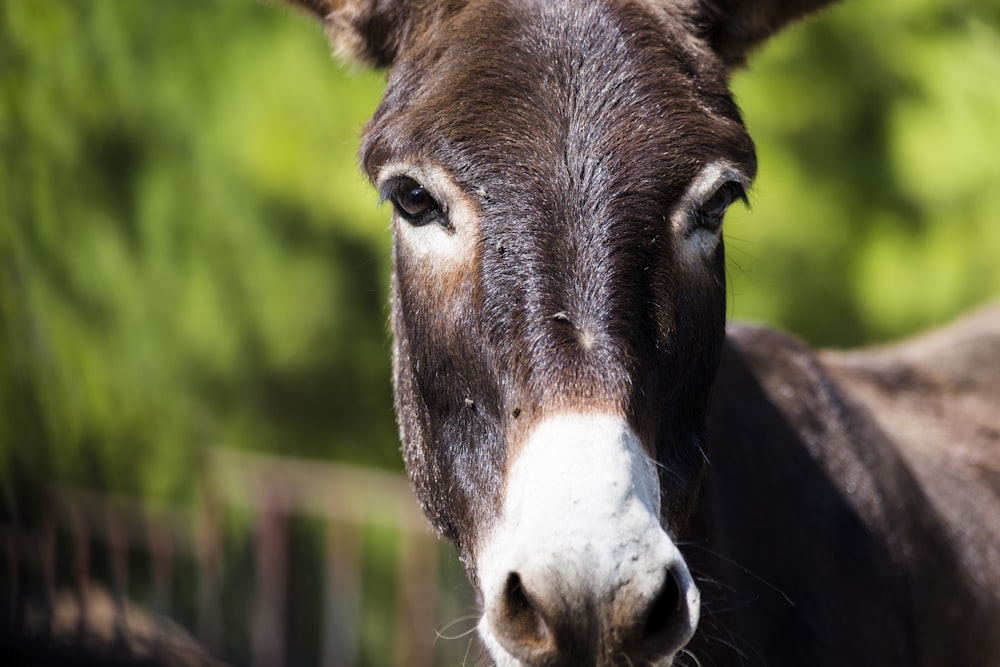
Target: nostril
[
  {"x": 665, "y": 608},
  {"x": 668, "y": 624},
  {"x": 524, "y": 616},
  {"x": 520, "y": 625}
]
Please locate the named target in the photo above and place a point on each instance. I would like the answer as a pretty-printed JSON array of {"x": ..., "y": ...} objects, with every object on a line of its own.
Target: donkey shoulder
[
  {"x": 937, "y": 394},
  {"x": 905, "y": 439},
  {"x": 937, "y": 397},
  {"x": 931, "y": 402}
]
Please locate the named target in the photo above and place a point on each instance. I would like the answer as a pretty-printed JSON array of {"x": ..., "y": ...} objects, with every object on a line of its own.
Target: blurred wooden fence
[{"x": 51, "y": 591}]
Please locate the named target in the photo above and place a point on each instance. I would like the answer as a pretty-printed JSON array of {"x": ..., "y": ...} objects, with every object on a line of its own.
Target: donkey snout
[
  {"x": 578, "y": 570},
  {"x": 542, "y": 621}
]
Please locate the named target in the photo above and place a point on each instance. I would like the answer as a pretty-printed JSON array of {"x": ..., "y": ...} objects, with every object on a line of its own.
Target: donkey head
[{"x": 559, "y": 171}]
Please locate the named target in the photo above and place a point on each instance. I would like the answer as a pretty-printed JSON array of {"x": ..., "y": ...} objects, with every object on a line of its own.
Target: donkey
[{"x": 616, "y": 469}]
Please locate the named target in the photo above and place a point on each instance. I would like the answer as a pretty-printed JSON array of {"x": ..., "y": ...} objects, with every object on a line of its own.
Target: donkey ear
[
  {"x": 734, "y": 27},
  {"x": 365, "y": 31}
]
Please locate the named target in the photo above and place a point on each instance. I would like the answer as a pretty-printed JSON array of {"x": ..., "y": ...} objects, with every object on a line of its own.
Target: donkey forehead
[{"x": 524, "y": 90}]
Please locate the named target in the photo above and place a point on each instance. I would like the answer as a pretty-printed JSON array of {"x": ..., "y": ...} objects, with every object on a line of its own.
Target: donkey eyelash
[
  {"x": 708, "y": 198},
  {"x": 413, "y": 202},
  {"x": 711, "y": 212}
]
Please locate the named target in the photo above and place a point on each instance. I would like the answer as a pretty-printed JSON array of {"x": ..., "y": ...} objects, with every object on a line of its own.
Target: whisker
[
  {"x": 483, "y": 658},
  {"x": 707, "y": 581},
  {"x": 685, "y": 653},
  {"x": 440, "y": 632},
  {"x": 730, "y": 643},
  {"x": 746, "y": 571}
]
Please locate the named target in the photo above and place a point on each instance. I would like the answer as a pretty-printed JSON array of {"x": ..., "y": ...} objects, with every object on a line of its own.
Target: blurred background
[{"x": 195, "y": 403}]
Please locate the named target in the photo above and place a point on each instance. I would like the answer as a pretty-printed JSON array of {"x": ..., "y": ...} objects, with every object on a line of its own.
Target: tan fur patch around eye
[{"x": 442, "y": 259}]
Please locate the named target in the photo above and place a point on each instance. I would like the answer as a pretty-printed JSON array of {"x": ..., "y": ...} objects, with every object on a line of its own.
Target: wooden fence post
[
  {"x": 268, "y": 623},
  {"x": 162, "y": 554},
  {"x": 81, "y": 559},
  {"x": 118, "y": 552},
  {"x": 13, "y": 574},
  {"x": 48, "y": 548},
  {"x": 209, "y": 553},
  {"x": 417, "y": 600},
  {"x": 342, "y": 596}
]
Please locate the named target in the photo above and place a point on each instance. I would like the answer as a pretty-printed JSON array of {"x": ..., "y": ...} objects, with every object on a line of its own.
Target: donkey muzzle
[{"x": 579, "y": 569}]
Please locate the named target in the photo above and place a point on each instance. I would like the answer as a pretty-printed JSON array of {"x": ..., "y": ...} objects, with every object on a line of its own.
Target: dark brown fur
[
  {"x": 832, "y": 532},
  {"x": 551, "y": 206},
  {"x": 837, "y": 510}
]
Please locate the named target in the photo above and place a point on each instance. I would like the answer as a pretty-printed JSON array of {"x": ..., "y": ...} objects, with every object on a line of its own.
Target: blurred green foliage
[
  {"x": 877, "y": 206},
  {"x": 189, "y": 256}
]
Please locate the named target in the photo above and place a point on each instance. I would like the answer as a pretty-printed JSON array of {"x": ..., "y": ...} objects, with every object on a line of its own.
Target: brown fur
[
  {"x": 836, "y": 509},
  {"x": 820, "y": 516}
]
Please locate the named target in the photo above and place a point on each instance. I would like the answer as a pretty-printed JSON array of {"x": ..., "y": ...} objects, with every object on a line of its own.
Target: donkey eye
[
  {"x": 711, "y": 212},
  {"x": 411, "y": 201}
]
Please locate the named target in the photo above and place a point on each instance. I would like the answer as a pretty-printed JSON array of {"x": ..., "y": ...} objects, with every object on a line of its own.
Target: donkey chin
[{"x": 579, "y": 569}]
